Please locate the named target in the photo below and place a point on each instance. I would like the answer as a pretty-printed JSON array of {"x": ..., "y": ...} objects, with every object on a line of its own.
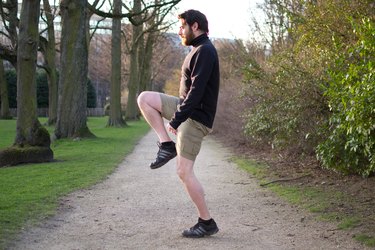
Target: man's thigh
[
  {"x": 168, "y": 105},
  {"x": 189, "y": 138}
]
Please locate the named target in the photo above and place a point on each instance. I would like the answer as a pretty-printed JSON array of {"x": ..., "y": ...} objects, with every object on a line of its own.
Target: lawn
[{"x": 30, "y": 193}]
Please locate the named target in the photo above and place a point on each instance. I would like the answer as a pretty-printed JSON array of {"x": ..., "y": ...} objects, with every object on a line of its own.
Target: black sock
[
  {"x": 206, "y": 222},
  {"x": 167, "y": 143}
]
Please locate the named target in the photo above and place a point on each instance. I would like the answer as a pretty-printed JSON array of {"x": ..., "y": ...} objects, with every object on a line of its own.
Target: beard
[{"x": 187, "y": 39}]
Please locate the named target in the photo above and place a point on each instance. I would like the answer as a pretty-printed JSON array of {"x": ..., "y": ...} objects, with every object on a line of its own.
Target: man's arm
[{"x": 201, "y": 67}]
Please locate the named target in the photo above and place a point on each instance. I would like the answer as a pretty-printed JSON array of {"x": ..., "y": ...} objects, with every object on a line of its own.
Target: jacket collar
[{"x": 199, "y": 39}]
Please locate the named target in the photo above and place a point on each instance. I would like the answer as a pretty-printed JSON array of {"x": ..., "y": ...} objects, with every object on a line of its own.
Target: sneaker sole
[
  {"x": 160, "y": 164},
  {"x": 200, "y": 236}
]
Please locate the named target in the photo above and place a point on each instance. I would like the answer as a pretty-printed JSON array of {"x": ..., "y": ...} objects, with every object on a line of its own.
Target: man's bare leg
[
  {"x": 206, "y": 225},
  {"x": 192, "y": 185},
  {"x": 150, "y": 106}
]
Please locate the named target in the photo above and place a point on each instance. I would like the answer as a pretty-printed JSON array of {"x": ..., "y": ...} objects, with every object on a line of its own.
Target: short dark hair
[{"x": 192, "y": 16}]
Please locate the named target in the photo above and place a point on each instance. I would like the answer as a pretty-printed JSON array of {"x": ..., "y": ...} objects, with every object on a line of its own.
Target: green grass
[
  {"x": 348, "y": 223},
  {"x": 366, "y": 240},
  {"x": 314, "y": 199},
  {"x": 7, "y": 132},
  {"x": 31, "y": 192},
  {"x": 256, "y": 169}
]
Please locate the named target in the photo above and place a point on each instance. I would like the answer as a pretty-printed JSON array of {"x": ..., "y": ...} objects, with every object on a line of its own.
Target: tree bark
[
  {"x": 32, "y": 142},
  {"x": 115, "y": 114},
  {"x": 5, "y": 113},
  {"x": 132, "y": 112},
  {"x": 146, "y": 69},
  {"x": 71, "y": 115},
  {"x": 50, "y": 56},
  {"x": 27, "y": 120}
]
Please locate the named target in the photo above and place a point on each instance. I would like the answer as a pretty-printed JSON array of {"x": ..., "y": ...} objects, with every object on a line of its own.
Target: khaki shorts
[{"x": 190, "y": 133}]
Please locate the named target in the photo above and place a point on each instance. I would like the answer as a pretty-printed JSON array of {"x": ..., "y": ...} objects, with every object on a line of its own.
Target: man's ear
[{"x": 195, "y": 27}]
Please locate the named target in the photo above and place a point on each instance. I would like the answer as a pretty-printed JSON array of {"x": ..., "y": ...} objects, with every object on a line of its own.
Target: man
[{"x": 190, "y": 116}]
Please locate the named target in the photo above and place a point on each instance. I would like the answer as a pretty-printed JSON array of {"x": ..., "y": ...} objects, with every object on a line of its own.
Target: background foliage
[
  {"x": 350, "y": 146},
  {"x": 314, "y": 92},
  {"x": 42, "y": 90}
]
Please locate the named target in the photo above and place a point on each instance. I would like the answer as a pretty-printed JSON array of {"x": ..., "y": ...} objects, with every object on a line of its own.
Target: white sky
[{"x": 226, "y": 19}]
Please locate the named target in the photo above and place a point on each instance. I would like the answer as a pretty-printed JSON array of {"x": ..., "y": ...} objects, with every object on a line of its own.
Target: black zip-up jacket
[{"x": 199, "y": 85}]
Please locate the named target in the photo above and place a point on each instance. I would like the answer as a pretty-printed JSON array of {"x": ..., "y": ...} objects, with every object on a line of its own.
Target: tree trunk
[
  {"x": 71, "y": 115},
  {"x": 141, "y": 60},
  {"x": 115, "y": 114},
  {"x": 27, "y": 120},
  {"x": 50, "y": 56},
  {"x": 132, "y": 111},
  {"x": 5, "y": 113},
  {"x": 146, "y": 73},
  {"x": 32, "y": 143}
]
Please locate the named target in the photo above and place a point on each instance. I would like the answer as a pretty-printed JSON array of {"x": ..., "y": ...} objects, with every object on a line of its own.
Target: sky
[{"x": 226, "y": 19}]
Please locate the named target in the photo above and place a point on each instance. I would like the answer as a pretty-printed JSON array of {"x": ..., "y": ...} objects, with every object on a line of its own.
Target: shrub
[
  {"x": 91, "y": 95},
  {"x": 288, "y": 110},
  {"x": 42, "y": 90},
  {"x": 351, "y": 97},
  {"x": 317, "y": 85},
  {"x": 11, "y": 79}
]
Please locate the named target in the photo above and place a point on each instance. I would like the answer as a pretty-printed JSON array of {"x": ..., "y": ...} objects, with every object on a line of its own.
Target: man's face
[{"x": 186, "y": 34}]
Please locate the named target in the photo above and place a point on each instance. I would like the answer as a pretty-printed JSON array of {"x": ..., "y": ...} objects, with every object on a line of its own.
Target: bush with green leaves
[
  {"x": 288, "y": 110},
  {"x": 350, "y": 146},
  {"x": 11, "y": 79},
  {"x": 91, "y": 95},
  {"x": 42, "y": 89},
  {"x": 315, "y": 92}
]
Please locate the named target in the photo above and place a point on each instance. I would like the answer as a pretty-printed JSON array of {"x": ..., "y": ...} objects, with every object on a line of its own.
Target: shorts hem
[{"x": 187, "y": 156}]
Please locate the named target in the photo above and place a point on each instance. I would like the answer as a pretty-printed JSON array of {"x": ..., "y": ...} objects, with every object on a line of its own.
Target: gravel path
[{"x": 139, "y": 208}]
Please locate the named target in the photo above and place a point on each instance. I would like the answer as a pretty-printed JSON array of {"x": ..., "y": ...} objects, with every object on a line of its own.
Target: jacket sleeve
[{"x": 201, "y": 66}]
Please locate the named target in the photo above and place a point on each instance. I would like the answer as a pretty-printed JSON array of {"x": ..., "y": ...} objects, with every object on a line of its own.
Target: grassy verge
[
  {"x": 31, "y": 192},
  {"x": 323, "y": 202}
]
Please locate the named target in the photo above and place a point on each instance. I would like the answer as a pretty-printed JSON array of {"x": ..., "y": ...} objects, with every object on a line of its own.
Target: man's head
[{"x": 193, "y": 24}]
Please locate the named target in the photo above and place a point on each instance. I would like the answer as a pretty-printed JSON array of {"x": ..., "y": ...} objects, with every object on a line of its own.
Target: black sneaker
[
  {"x": 200, "y": 230},
  {"x": 165, "y": 154}
]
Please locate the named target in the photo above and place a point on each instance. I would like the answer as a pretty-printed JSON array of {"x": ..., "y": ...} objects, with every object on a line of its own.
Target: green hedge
[
  {"x": 42, "y": 90},
  {"x": 350, "y": 146}
]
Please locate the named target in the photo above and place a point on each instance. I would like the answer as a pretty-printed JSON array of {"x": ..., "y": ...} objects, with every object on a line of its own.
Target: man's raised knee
[{"x": 141, "y": 98}]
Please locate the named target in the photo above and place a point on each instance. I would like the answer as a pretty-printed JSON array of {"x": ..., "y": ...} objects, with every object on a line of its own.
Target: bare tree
[
  {"x": 138, "y": 15},
  {"x": 71, "y": 116},
  {"x": 144, "y": 38},
  {"x": 99, "y": 68},
  {"x": 115, "y": 114},
  {"x": 9, "y": 11},
  {"x": 146, "y": 54},
  {"x": 32, "y": 142},
  {"x": 48, "y": 49},
  {"x": 280, "y": 16},
  {"x": 132, "y": 111}
]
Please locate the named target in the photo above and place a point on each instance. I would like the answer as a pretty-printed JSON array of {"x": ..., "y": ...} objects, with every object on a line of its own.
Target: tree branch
[
  {"x": 130, "y": 14},
  {"x": 9, "y": 54}
]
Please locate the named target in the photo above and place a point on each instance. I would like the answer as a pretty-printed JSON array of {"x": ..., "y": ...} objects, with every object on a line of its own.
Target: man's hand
[{"x": 171, "y": 129}]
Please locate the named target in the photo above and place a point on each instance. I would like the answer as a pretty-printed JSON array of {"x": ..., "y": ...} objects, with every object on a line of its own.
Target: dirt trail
[{"x": 139, "y": 208}]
